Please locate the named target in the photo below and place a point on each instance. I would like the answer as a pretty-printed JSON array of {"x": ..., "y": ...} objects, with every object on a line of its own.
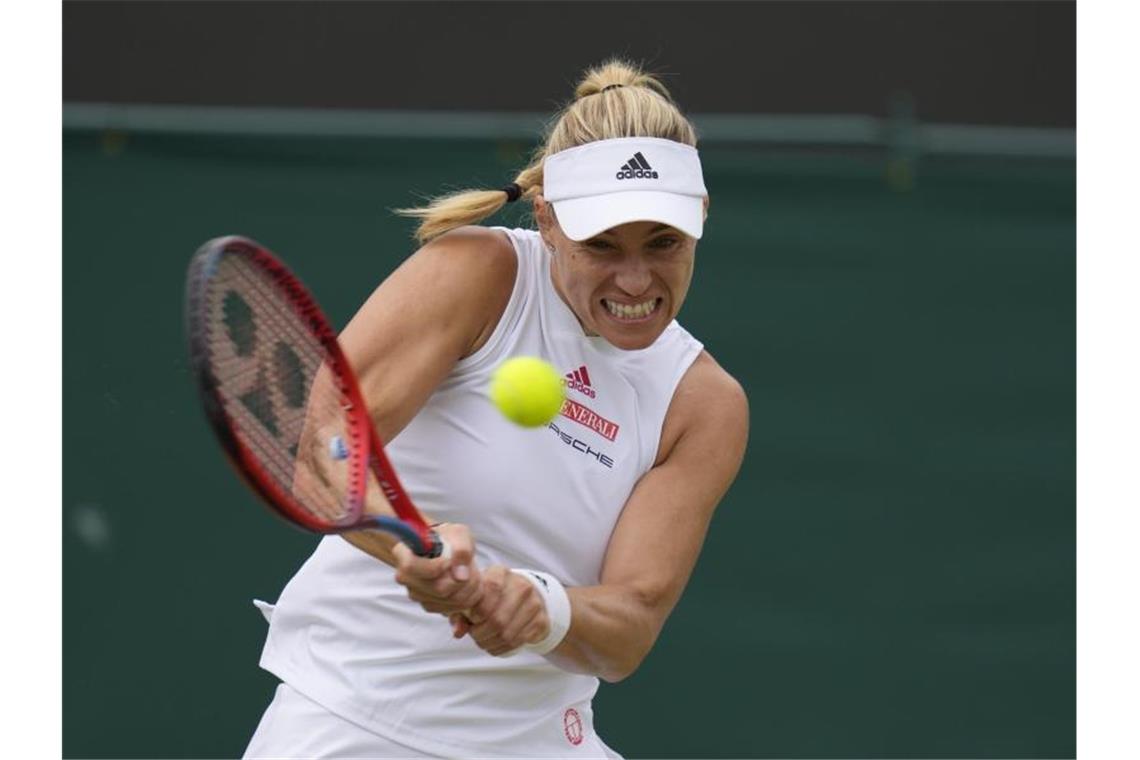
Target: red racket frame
[{"x": 365, "y": 448}]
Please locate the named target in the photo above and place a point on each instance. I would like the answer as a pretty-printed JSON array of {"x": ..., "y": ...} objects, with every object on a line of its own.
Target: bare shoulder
[
  {"x": 709, "y": 408},
  {"x": 475, "y": 252},
  {"x": 471, "y": 272}
]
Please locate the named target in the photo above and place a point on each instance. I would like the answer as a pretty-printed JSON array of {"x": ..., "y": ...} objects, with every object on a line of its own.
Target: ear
[{"x": 544, "y": 215}]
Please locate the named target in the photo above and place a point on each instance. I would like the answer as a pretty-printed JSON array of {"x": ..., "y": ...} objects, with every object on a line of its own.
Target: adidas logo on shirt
[
  {"x": 636, "y": 168},
  {"x": 579, "y": 380}
]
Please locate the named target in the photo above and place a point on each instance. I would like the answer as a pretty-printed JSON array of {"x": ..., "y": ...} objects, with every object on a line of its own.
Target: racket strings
[
  {"x": 291, "y": 459},
  {"x": 299, "y": 337},
  {"x": 268, "y": 366},
  {"x": 314, "y": 493}
]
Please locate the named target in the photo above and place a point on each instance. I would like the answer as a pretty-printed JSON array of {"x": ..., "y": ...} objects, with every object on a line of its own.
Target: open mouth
[{"x": 632, "y": 312}]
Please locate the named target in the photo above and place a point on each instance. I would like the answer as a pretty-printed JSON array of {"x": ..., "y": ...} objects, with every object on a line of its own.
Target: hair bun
[{"x": 616, "y": 73}]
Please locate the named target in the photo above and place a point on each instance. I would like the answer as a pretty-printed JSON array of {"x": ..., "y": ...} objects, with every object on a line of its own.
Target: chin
[
  {"x": 631, "y": 341},
  {"x": 627, "y": 344}
]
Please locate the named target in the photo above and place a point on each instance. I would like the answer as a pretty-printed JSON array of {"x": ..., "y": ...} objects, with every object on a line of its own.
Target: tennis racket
[{"x": 284, "y": 402}]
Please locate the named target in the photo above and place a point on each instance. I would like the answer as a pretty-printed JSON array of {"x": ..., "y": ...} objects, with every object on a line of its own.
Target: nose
[{"x": 633, "y": 275}]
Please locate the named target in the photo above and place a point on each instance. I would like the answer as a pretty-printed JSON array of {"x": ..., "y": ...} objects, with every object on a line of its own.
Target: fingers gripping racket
[{"x": 284, "y": 402}]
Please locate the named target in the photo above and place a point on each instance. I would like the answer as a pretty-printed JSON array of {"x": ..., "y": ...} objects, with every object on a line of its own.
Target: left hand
[
  {"x": 510, "y": 614},
  {"x": 442, "y": 585}
]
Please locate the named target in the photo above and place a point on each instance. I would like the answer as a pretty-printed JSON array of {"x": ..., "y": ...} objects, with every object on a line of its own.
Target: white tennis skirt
[{"x": 295, "y": 726}]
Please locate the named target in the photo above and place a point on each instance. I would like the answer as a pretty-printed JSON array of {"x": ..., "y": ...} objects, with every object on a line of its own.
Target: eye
[
  {"x": 598, "y": 244},
  {"x": 665, "y": 242}
]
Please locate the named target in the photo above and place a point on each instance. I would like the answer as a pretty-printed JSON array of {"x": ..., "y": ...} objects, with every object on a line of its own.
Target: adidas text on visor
[{"x": 602, "y": 184}]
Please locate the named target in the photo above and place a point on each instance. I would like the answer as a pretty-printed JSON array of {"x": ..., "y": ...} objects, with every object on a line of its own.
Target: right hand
[
  {"x": 444, "y": 585},
  {"x": 510, "y": 614}
]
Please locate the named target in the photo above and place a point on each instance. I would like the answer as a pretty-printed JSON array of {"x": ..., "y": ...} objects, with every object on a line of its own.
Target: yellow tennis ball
[{"x": 527, "y": 390}]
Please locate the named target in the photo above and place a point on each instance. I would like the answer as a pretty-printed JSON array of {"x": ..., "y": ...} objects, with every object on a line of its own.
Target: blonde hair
[{"x": 615, "y": 99}]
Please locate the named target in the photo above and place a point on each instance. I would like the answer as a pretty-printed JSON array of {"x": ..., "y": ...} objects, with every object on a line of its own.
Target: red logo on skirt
[{"x": 572, "y": 725}]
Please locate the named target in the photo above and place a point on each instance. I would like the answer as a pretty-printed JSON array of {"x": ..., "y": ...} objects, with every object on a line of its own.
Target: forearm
[
  {"x": 373, "y": 542},
  {"x": 323, "y": 477},
  {"x": 612, "y": 629}
]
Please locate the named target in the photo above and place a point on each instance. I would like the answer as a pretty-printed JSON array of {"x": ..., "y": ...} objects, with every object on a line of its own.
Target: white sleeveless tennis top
[{"x": 345, "y": 634}]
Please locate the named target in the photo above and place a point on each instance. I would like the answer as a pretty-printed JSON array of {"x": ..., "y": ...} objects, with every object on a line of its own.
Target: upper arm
[
  {"x": 439, "y": 306},
  {"x": 658, "y": 537}
]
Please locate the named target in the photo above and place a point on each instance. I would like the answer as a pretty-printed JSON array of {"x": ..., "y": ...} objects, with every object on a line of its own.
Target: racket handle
[
  {"x": 410, "y": 536},
  {"x": 439, "y": 547}
]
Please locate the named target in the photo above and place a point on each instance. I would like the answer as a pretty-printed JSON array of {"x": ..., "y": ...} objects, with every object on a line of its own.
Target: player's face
[{"x": 625, "y": 284}]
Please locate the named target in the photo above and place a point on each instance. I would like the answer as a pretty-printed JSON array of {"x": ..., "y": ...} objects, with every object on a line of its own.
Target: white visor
[{"x": 602, "y": 184}]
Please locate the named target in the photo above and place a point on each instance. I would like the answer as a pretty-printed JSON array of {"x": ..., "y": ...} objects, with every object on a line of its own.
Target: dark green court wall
[{"x": 892, "y": 575}]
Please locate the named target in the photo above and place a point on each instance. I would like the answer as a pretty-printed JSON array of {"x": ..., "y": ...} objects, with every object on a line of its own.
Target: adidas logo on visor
[{"x": 636, "y": 168}]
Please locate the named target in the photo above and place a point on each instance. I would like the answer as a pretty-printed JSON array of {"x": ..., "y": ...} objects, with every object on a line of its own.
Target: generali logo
[
  {"x": 587, "y": 417},
  {"x": 579, "y": 380}
]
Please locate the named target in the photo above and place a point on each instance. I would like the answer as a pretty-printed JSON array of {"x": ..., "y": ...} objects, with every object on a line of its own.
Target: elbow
[
  {"x": 616, "y": 674},
  {"x": 643, "y": 629},
  {"x": 626, "y": 664},
  {"x": 610, "y": 666},
  {"x": 619, "y": 635}
]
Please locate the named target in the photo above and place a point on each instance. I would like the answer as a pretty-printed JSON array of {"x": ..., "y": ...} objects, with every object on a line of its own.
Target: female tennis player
[{"x": 571, "y": 543}]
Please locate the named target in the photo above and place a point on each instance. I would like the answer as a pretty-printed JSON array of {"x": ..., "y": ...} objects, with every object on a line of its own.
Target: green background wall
[{"x": 893, "y": 573}]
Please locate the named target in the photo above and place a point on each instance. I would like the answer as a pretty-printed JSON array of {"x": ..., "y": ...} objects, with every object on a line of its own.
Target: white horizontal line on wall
[{"x": 839, "y": 130}]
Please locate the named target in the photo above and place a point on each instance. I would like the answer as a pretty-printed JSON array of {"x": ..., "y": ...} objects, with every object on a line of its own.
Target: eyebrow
[{"x": 653, "y": 231}]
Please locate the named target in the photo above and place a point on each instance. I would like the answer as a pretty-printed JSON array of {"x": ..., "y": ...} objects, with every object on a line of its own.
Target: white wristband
[{"x": 557, "y": 603}]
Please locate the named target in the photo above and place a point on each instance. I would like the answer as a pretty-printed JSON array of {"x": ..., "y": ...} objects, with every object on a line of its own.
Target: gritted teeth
[{"x": 632, "y": 311}]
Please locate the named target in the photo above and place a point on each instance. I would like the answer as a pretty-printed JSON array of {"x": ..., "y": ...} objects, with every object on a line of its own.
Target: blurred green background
[{"x": 892, "y": 575}]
